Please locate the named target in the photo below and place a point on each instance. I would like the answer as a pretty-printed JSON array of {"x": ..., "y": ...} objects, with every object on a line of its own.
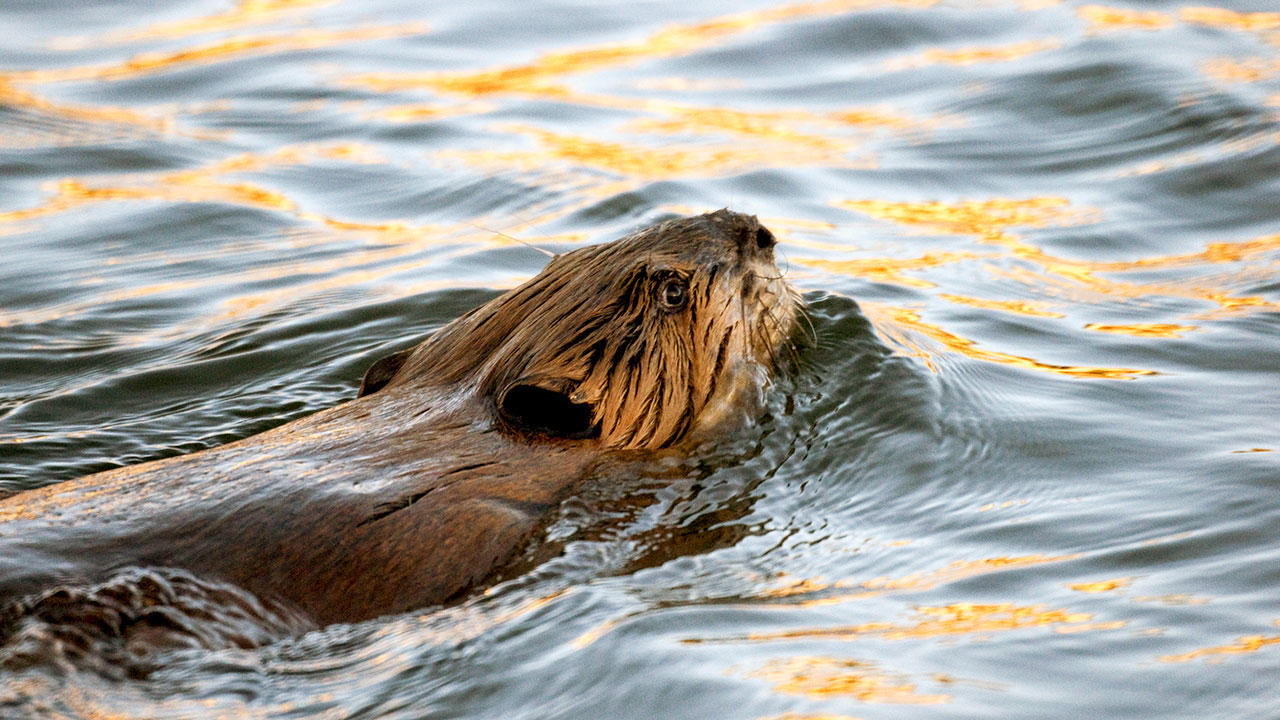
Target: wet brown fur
[{"x": 417, "y": 491}]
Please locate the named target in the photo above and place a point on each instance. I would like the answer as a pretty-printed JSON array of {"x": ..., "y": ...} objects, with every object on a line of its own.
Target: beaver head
[{"x": 627, "y": 342}]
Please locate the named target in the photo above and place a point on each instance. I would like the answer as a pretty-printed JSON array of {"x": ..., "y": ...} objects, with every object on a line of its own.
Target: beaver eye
[{"x": 673, "y": 294}]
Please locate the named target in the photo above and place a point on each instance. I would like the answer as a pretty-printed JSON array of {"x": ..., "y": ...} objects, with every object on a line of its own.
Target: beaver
[{"x": 443, "y": 467}]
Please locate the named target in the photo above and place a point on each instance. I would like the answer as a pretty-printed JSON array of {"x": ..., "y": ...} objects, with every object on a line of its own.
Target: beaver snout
[{"x": 752, "y": 238}]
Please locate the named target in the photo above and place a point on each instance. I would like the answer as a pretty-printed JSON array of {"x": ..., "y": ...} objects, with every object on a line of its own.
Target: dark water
[{"x": 1034, "y": 471}]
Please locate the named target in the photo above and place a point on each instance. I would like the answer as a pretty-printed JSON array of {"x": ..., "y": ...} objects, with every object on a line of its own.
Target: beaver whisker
[
  {"x": 773, "y": 358},
  {"x": 499, "y": 233},
  {"x": 783, "y": 336},
  {"x": 782, "y": 342},
  {"x": 784, "y": 332},
  {"x": 803, "y": 312},
  {"x": 797, "y": 303}
]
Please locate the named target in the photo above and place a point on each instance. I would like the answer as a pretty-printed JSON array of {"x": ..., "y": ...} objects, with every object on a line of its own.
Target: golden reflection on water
[
  {"x": 987, "y": 219},
  {"x": 962, "y": 569},
  {"x": 1223, "y": 18},
  {"x": 540, "y": 77},
  {"x": 990, "y": 222},
  {"x": 1243, "y": 645},
  {"x": 1248, "y": 70},
  {"x": 791, "y": 593},
  {"x": 15, "y": 90},
  {"x": 1101, "y": 586},
  {"x": 825, "y": 677},
  {"x": 802, "y": 593},
  {"x": 776, "y": 124},
  {"x": 999, "y": 53},
  {"x": 902, "y": 318},
  {"x": 1158, "y": 330},
  {"x": 1018, "y": 307},
  {"x": 16, "y": 97},
  {"x": 949, "y": 620},
  {"x": 69, "y": 194},
  {"x": 392, "y": 247},
  {"x": 1101, "y": 17},
  {"x": 220, "y": 51},
  {"x": 797, "y": 586},
  {"x": 890, "y": 270},
  {"x": 815, "y": 592},
  {"x": 1002, "y": 505},
  {"x": 1174, "y": 599},
  {"x": 780, "y": 126},
  {"x": 197, "y": 185},
  {"x": 420, "y": 112},
  {"x": 779, "y": 137},
  {"x": 324, "y": 275},
  {"x": 638, "y": 162},
  {"x": 243, "y": 14}
]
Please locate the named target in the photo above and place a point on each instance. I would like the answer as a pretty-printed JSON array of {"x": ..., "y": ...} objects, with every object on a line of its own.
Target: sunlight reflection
[
  {"x": 989, "y": 221},
  {"x": 648, "y": 163},
  {"x": 393, "y": 247},
  {"x": 943, "y": 621},
  {"x": 903, "y": 318},
  {"x": 1223, "y": 18},
  {"x": 973, "y": 55},
  {"x": 196, "y": 185},
  {"x": 823, "y": 677},
  {"x": 228, "y": 49},
  {"x": 1101, "y": 586},
  {"x": 1246, "y": 644},
  {"x": 15, "y": 97},
  {"x": 1101, "y": 17},
  {"x": 890, "y": 270},
  {"x": 538, "y": 77},
  {"x": 1159, "y": 330},
  {"x": 1248, "y": 70},
  {"x": 243, "y": 14},
  {"x": 816, "y": 592},
  {"x": 1018, "y": 307}
]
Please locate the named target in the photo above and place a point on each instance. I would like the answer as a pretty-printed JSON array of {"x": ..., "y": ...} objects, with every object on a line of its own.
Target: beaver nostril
[{"x": 765, "y": 239}]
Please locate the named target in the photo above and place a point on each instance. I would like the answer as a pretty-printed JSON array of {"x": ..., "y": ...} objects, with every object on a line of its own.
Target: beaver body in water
[{"x": 441, "y": 469}]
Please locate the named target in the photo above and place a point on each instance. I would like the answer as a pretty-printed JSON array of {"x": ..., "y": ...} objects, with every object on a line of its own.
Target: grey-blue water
[{"x": 1032, "y": 468}]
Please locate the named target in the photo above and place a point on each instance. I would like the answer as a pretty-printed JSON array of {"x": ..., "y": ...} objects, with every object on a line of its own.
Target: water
[{"x": 1032, "y": 471}]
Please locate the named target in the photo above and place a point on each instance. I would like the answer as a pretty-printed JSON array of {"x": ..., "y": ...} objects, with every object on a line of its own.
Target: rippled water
[{"x": 1031, "y": 469}]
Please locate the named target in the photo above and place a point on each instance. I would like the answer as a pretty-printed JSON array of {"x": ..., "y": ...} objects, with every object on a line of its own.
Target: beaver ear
[
  {"x": 547, "y": 406},
  {"x": 381, "y": 372}
]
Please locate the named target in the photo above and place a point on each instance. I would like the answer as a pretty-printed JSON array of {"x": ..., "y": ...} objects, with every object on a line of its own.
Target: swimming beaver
[{"x": 437, "y": 474}]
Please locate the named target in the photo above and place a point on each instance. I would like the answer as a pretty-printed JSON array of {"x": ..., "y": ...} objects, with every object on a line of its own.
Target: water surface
[{"x": 1031, "y": 468}]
